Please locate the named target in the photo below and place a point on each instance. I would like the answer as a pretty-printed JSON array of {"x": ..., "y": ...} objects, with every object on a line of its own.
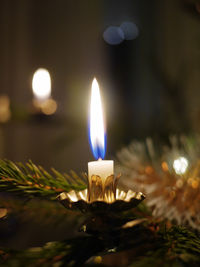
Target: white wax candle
[{"x": 102, "y": 168}]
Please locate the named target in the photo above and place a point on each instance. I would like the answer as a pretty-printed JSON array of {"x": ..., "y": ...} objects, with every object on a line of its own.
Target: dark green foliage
[
  {"x": 174, "y": 247},
  {"x": 178, "y": 247},
  {"x": 31, "y": 180},
  {"x": 150, "y": 243}
]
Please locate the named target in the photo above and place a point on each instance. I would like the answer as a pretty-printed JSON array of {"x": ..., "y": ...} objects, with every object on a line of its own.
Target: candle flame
[
  {"x": 41, "y": 84},
  {"x": 96, "y": 127}
]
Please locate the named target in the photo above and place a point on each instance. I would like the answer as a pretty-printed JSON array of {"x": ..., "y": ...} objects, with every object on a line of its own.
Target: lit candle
[
  {"x": 99, "y": 170},
  {"x": 41, "y": 85}
]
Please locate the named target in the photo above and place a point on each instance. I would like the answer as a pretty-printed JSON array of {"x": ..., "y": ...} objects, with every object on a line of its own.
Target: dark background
[{"x": 150, "y": 84}]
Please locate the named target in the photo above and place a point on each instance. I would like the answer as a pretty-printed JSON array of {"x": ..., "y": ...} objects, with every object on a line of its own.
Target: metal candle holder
[
  {"x": 102, "y": 190},
  {"x": 103, "y": 201}
]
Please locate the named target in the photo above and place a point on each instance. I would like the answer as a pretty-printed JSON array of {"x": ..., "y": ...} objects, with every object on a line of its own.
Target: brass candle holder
[
  {"x": 103, "y": 201},
  {"x": 102, "y": 190}
]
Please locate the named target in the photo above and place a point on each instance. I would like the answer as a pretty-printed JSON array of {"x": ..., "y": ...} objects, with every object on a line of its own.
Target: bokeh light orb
[
  {"x": 49, "y": 107},
  {"x": 180, "y": 165},
  {"x": 5, "y": 113},
  {"x": 130, "y": 30},
  {"x": 41, "y": 84},
  {"x": 113, "y": 35}
]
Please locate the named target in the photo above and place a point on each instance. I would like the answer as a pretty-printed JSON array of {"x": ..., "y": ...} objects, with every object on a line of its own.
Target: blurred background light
[
  {"x": 49, "y": 107},
  {"x": 130, "y": 30},
  {"x": 5, "y": 113},
  {"x": 3, "y": 213},
  {"x": 113, "y": 35},
  {"x": 41, "y": 84},
  {"x": 180, "y": 165}
]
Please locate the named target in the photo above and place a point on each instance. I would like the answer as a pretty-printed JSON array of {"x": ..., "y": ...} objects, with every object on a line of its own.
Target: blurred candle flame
[
  {"x": 41, "y": 84},
  {"x": 96, "y": 123}
]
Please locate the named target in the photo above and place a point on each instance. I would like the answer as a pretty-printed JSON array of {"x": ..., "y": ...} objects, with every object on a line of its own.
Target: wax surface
[{"x": 102, "y": 168}]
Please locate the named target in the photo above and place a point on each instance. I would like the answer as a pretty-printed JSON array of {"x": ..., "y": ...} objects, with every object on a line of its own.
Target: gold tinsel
[{"x": 169, "y": 176}]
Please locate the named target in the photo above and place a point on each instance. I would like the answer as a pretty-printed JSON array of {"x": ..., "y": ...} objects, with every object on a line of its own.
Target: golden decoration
[
  {"x": 99, "y": 190},
  {"x": 79, "y": 201},
  {"x": 171, "y": 180}
]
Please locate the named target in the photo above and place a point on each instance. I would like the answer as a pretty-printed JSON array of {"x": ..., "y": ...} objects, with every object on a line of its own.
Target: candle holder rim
[
  {"x": 99, "y": 206},
  {"x": 65, "y": 195}
]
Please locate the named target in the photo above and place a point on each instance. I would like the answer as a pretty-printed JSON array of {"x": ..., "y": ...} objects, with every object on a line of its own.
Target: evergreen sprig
[
  {"x": 177, "y": 247},
  {"x": 32, "y": 180},
  {"x": 36, "y": 210},
  {"x": 61, "y": 253}
]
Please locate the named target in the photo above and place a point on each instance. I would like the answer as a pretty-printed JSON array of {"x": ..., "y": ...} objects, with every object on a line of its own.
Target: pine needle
[{"x": 31, "y": 180}]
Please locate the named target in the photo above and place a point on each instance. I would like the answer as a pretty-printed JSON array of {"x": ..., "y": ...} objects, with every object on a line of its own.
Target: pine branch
[
  {"x": 37, "y": 211},
  {"x": 174, "y": 247},
  {"x": 31, "y": 180},
  {"x": 183, "y": 244},
  {"x": 64, "y": 253},
  {"x": 178, "y": 247}
]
